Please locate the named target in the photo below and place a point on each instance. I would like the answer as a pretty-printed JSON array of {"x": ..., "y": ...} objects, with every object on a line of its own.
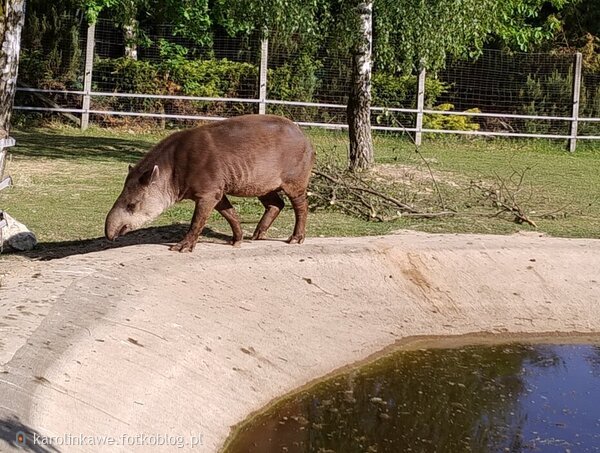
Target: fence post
[
  {"x": 262, "y": 95},
  {"x": 4, "y": 182},
  {"x": 576, "y": 92},
  {"x": 420, "y": 106},
  {"x": 87, "y": 75}
]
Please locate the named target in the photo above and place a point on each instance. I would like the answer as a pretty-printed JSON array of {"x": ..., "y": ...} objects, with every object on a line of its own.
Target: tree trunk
[
  {"x": 12, "y": 16},
  {"x": 130, "y": 31},
  {"x": 359, "y": 99}
]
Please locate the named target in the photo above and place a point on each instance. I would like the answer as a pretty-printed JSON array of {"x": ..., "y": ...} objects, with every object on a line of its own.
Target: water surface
[{"x": 511, "y": 397}]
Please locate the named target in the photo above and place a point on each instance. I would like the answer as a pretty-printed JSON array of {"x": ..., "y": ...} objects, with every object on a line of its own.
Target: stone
[{"x": 16, "y": 236}]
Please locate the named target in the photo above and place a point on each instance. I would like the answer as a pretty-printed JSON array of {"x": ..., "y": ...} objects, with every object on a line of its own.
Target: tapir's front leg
[{"x": 204, "y": 207}]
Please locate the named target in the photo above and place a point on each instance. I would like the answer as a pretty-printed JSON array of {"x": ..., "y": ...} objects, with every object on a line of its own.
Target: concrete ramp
[{"x": 143, "y": 349}]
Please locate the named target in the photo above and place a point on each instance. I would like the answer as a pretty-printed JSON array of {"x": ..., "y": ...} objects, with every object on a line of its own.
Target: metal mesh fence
[
  {"x": 51, "y": 63},
  {"x": 175, "y": 80},
  {"x": 532, "y": 84},
  {"x": 172, "y": 78},
  {"x": 590, "y": 105}
]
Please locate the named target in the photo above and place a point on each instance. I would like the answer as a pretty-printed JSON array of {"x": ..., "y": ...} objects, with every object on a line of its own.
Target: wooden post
[
  {"x": 576, "y": 93},
  {"x": 4, "y": 182},
  {"x": 420, "y": 107},
  {"x": 4, "y": 143},
  {"x": 87, "y": 76},
  {"x": 264, "y": 57}
]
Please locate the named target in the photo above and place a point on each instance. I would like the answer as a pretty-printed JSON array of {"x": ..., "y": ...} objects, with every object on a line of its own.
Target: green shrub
[
  {"x": 401, "y": 91},
  {"x": 211, "y": 78},
  {"x": 295, "y": 81},
  {"x": 125, "y": 75},
  {"x": 450, "y": 122},
  {"x": 51, "y": 55}
]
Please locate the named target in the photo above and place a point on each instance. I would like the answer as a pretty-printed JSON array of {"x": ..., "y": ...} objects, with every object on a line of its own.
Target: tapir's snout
[
  {"x": 112, "y": 234},
  {"x": 113, "y": 227}
]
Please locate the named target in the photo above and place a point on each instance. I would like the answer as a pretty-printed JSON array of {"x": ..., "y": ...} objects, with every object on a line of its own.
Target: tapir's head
[{"x": 143, "y": 199}]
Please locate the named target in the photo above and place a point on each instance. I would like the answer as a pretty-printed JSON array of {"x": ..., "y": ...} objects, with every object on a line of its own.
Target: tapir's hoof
[
  {"x": 236, "y": 243},
  {"x": 184, "y": 246},
  {"x": 258, "y": 235},
  {"x": 296, "y": 239}
]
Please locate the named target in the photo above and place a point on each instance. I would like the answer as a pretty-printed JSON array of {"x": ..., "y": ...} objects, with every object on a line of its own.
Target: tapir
[{"x": 245, "y": 156}]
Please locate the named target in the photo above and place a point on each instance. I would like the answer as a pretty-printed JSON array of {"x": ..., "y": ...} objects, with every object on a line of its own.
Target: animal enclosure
[{"x": 174, "y": 80}]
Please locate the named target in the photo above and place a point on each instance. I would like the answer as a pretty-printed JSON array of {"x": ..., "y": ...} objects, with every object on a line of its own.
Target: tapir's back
[{"x": 250, "y": 155}]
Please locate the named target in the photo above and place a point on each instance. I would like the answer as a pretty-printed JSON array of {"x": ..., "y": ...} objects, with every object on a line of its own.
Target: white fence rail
[{"x": 550, "y": 112}]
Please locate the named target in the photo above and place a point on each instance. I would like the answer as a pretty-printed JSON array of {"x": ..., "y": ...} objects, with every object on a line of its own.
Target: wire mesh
[
  {"x": 50, "y": 63},
  {"x": 534, "y": 84},
  {"x": 175, "y": 80},
  {"x": 589, "y": 104},
  {"x": 173, "y": 66}
]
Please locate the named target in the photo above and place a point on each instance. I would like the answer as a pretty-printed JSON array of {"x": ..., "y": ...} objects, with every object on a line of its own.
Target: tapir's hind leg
[
  {"x": 300, "y": 205},
  {"x": 226, "y": 210},
  {"x": 273, "y": 205}
]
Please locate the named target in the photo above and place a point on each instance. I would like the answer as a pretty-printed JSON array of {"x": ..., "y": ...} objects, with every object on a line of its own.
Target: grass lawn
[{"x": 65, "y": 181}]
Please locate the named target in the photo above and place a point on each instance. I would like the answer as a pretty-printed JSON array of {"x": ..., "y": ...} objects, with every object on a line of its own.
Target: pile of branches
[
  {"x": 359, "y": 195},
  {"x": 505, "y": 195}
]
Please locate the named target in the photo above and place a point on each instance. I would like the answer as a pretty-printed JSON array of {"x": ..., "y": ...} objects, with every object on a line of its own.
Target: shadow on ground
[
  {"x": 39, "y": 143},
  {"x": 167, "y": 235},
  {"x": 22, "y": 437}
]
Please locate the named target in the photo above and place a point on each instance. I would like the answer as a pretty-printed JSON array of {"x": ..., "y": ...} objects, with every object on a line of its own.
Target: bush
[
  {"x": 176, "y": 76},
  {"x": 211, "y": 78},
  {"x": 125, "y": 75},
  {"x": 401, "y": 91},
  {"x": 450, "y": 122},
  {"x": 51, "y": 55},
  {"x": 295, "y": 81}
]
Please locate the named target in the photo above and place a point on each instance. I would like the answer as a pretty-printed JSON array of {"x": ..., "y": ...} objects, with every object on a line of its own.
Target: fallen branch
[
  {"x": 357, "y": 195},
  {"x": 504, "y": 197},
  {"x": 398, "y": 203}
]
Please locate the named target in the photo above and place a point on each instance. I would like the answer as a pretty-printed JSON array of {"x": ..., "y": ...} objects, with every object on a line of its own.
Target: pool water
[{"x": 502, "y": 398}]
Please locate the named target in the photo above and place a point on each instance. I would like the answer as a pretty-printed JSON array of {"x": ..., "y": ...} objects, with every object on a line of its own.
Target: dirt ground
[{"x": 130, "y": 340}]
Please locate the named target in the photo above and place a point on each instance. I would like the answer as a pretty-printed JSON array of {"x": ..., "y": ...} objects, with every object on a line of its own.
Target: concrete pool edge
[{"x": 319, "y": 307}]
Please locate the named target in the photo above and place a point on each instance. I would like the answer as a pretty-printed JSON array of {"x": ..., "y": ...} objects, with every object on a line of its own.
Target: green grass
[{"x": 66, "y": 181}]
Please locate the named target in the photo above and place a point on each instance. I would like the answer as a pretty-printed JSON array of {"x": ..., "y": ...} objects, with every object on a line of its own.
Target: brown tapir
[{"x": 245, "y": 156}]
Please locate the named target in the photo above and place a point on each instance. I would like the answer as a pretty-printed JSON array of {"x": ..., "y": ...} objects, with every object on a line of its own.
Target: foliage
[
  {"x": 580, "y": 23},
  {"x": 204, "y": 78},
  {"x": 542, "y": 95},
  {"x": 192, "y": 19},
  {"x": 450, "y": 122},
  {"x": 195, "y": 78},
  {"x": 129, "y": 76},
  {"x": 93, "y": 8},
  {"x": 216, "y": 78},
  {"x": 296, "y": 80},
  {"x": 525, "y": 24},
  {"x": 51, "y": 56},
  {"x": 411, "y": 36},
  {"x": 401, "y": 90},
  {"x": 284, "y": 17}
]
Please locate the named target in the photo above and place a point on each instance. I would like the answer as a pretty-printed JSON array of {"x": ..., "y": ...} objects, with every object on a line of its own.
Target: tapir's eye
[{"x": 131, "y": 207}]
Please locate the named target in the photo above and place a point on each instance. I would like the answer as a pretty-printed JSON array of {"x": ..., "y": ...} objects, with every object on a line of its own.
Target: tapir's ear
[
  {"x": 150, "y": 176},
  {"x": 129, "y": 168},
  {"x": 155, "y": 174}
]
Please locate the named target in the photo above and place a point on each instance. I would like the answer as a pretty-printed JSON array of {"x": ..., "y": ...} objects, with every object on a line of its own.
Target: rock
[{"x": 16, "y": 236}]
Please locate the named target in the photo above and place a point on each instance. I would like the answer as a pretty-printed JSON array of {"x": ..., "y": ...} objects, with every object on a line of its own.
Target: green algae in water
[{"x": 503, "y": 398}]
